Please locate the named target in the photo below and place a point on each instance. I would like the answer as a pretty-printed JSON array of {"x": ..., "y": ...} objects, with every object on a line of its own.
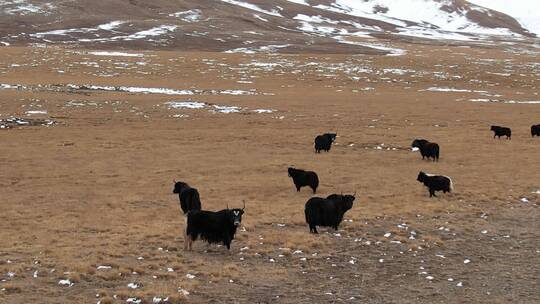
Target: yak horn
[
  {"x": 354, "y": 195},
  {"x": 174, "y": 180},
  {"x": 227, "y": 206},
  {"x": 243, "y": 201}
]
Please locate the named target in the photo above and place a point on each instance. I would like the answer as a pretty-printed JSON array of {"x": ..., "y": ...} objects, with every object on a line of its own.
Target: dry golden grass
[
  {"x": 105, "y": 198},
  {"x": 11, "y": 288}
]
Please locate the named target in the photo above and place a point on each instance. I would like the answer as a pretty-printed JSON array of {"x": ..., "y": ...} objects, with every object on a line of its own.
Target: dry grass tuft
[
  {"x": 106, "y": 300},
  {"x": 177, "y": 299},
  {"x": 11, "y": 288},
  {"x": 112, "y": 275},
  {"x": 73, "y": 277}
]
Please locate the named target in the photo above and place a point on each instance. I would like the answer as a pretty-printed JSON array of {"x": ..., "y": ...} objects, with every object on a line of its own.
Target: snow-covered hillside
[
  {"x": 335, "y": 26},
  {"x": 422, "y": 15},
  {"x": 526, "y": 12}
]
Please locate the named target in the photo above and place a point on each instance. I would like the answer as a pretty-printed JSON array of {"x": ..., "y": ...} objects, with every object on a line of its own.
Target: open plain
[{"x": 91, "y": 143}]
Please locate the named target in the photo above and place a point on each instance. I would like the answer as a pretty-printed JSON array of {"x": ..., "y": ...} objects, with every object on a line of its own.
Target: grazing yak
[
  {"x": 324, "y": 142},
  {"x": 303, "y": 178},
  {"x": 435, "y": 183},
  {"x": 327, "y": 212},
  {"x": 535, "y": 130},
  {"x": 212, "y": 227},
  {"x": 427, "y": 149},
  {"x": 189, "y": 197},
  {"x": 501, "y": 131}
]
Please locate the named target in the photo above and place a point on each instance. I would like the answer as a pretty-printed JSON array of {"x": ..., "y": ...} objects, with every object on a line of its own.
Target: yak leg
[
  {"x": 227, "y": 241},
  {"x": 432, "y": 192},
  {"x": 298, "y": 188},
  {"x": 187, "y": 243},
  {"x": 186, "y": 236}
]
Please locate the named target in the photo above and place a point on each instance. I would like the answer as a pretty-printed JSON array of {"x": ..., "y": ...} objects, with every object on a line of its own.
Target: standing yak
[
  {"x": 435, "y": 183},
  {"x": 212, "y": 227},
  {"x": 189, "y": 197},
  {"x": 535, "y": 130},
  {"x": 324, "y": 142},
  {"x": 303, "y": 178},
  {"x": 327, "y": 212},
  {"x": 501, "y": 131},
  {"x": 427, "y": 149}
]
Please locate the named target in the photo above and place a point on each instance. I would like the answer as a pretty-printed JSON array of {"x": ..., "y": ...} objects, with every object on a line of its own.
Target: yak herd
[{"x": 220, "y": 227}]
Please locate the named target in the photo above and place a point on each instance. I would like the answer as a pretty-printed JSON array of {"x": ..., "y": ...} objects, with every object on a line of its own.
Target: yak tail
[
  {"x": 315, "y": 181},
  {"x": 451, "y": 184}
]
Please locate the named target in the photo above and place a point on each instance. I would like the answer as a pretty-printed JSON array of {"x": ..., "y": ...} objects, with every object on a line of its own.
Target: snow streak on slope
[
  {"x": 253, "y": 7},
  {"x": 23, "y": 7}
]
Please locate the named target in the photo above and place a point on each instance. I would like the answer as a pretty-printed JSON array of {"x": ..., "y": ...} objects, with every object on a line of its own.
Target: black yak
[
  {"x": 303, "y": 178},
  {"x": 212, "y": 227},
  {"x": 427, "y": 149},
  {"x": 327, "y": 212},
  {"x": 324, "y": 142},
  {"x": 501, "y": 131},
  {"x": 435, "y": 183},
  {"x": 189, "y": 197},
  {"x": 535, "y": 130}
]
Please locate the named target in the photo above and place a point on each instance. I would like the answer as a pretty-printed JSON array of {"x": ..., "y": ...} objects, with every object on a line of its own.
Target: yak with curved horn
[{"x": 213, "y": 227}]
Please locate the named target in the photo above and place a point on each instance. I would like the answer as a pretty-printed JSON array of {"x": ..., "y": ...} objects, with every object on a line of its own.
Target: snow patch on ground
[
  {"x": 213, "y": 108},
  {"x": 65, "y": 282},
  {"x": 448, "y": 89},
  {"x": 36, "y": 112},
  {"x": 185, "y": 105},
  {"x": 165, "y": 91},
  {"x": 114, "y": 54},
  {"x": 262, "y": 49}
]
